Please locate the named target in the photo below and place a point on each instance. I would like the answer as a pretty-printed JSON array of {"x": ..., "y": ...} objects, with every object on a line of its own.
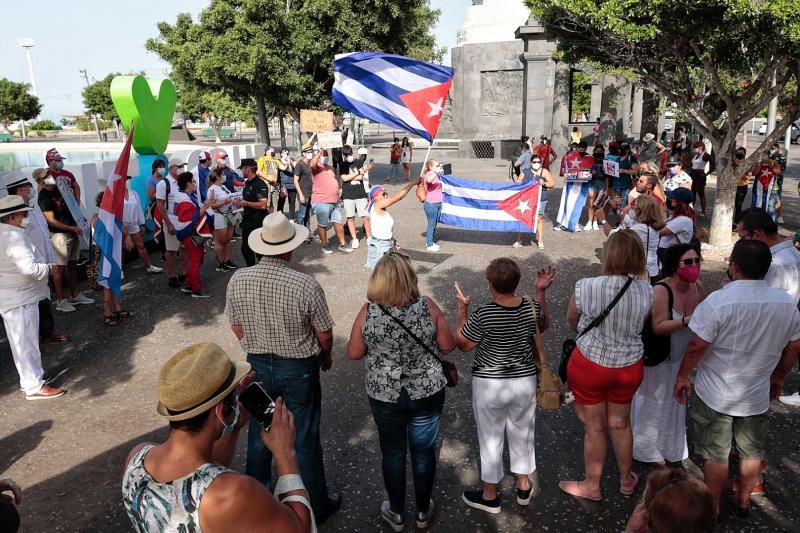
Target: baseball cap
[
  {"x": 681, "y": 194},
  {"x": 363, "y": 151},
  {"x": 674, "y": 161},
  {"x": 247, "y": 162},
  {"x": 176, "y": 162},
  {"x": 53, "y": 155},
  {"x": 205, "y": 156},
  {"x": 220, "y": 155}
]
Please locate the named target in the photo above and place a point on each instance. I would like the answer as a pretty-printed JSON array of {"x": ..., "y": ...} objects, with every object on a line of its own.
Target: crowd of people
[{"x": 650, "y": 274}]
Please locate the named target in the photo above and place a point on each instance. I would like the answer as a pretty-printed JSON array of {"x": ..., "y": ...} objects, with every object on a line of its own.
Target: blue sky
[{"x": 103, "y": 37}]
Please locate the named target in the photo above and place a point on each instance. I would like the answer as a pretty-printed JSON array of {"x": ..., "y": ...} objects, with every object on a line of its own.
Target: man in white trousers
[{"x": 23, "y": 283}]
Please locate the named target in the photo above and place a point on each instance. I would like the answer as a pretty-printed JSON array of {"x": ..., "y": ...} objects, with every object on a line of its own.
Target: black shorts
[{"x": 698, "y": 180}]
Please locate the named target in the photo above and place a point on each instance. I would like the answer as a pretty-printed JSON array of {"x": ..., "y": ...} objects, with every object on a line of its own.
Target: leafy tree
[
  {"x": 16, "y": 103},
  {"x": 715, "y": 59},
  {"x": 97, "y": 98},
  {"x": 280, "y": 53}
]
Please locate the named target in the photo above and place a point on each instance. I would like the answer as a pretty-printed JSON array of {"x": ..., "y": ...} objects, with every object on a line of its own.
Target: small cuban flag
[
  {"x": 393, "y": 90},
  {"x": 485, "y": 206}
]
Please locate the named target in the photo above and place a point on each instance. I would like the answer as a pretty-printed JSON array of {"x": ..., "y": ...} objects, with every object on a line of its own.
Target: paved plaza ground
[{"x": 68, "y": 454}]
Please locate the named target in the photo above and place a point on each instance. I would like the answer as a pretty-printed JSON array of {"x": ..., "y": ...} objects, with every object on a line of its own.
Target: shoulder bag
[
  {"x": 448, "y": 369},
  {"x": 549, "y": 388},
  {"x": 657, "y": 347},
  {"x": 569, "y": 344}
]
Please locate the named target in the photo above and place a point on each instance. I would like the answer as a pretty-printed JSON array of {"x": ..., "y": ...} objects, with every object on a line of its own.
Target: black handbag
[
  {"x": 570, "y": 344},
  {"x": 449, "y": 369},
  {"x": 657, "y": 347}
]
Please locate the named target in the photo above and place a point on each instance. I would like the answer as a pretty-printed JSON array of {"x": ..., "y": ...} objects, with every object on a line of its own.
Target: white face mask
[
  {"x": 350, "y": 159},
  {"x": 25, "y": 222},
  {"x": 536, "y": 166},
  {"x": 309, "y": 156},
  {"x": 323, "y": 159}
]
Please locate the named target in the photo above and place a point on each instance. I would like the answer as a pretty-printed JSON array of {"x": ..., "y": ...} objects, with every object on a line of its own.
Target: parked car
[
  {"x": 762, "y": 129},
  {"x": 795, "y": 135}
]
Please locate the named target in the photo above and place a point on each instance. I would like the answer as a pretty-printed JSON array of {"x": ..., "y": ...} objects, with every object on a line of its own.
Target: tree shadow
[{"x": 15, "y": 446}]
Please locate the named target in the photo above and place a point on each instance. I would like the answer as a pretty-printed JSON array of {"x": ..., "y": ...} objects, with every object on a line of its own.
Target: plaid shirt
[{"x": 278, "y": 308}]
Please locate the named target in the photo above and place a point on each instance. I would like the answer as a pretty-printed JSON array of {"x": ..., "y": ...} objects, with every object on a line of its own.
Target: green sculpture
[{"x": 150, "y": 104}]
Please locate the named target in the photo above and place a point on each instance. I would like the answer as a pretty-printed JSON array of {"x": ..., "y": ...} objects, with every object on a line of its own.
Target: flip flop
[
  {"x": 626, "y": 489},
  {"x": 574, "y": 489}
]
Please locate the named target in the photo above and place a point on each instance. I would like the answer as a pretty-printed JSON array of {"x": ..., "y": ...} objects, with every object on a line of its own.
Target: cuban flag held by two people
[
  {"x": 397, "y": 91},
  {"x": 108, "y": 228}
]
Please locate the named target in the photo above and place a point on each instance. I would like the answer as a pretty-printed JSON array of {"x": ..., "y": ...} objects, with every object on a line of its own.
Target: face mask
[
  {"x": 536, "y": 166},
  {"x": 24, "y": 223},
  {"x": 323, "y": 159},
  {"x": 739, "y": 156},
  {"x": 228, "y": 428},
  {"x": 308, "y": 155},
  {"x": 222, "y": 163},
  {"x": 439, "y": 170},
  {"x": 161, "y": 171},
  {"x": 59, "y": 165},
  {"x": 689, "y": 274},
  {"x": 673, "y": 171},
  {"x": 50, "y": 180},
  {"x": 670, "y": 204},
  {"x": 350, "y": 159}
]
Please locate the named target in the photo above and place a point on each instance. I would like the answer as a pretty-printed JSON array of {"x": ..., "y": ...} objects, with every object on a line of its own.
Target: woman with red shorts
[{"x": 606, "y": 366}]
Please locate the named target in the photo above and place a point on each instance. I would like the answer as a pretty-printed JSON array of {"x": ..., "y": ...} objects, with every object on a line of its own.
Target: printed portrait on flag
[{"x": 577, "y": 171}]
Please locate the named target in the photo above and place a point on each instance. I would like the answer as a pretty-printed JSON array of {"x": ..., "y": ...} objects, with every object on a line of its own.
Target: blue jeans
[
  {"x": 376, "y": 248},
  {"x": 432, "y": 212},
  {"x": 414, "y": 425},
  {"x": 297, "y": 382},
  {"x": 304, "y": 213}
]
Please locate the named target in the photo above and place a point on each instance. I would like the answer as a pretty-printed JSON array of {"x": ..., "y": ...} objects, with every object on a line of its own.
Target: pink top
[
  {"x": 325, "y": 188},
  {"x": 434, "y": 188}
]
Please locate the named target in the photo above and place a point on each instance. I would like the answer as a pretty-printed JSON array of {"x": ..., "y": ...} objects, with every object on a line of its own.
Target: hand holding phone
[{"x": 258, "y": 403}]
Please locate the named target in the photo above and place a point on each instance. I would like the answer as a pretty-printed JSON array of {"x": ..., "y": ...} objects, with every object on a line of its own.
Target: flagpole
[{"x": 424, "y": 161}]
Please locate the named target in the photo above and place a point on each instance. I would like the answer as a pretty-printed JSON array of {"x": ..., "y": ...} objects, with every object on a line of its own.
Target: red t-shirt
[
  {"x": 545, "y": 151},
  {"x": 63, "y": 174}
]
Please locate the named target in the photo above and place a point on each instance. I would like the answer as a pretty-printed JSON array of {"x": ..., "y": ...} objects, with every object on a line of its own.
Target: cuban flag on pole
[
  {"x": 108, "y": 228},
  {"x": 393, "y": 90},
  {"x": 485, "y": 206}
]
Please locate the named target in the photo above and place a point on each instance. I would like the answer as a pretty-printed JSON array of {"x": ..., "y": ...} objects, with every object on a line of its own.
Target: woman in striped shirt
[
  {"x": 504, "y": 377},
  {"x": 606, "y": 368}
]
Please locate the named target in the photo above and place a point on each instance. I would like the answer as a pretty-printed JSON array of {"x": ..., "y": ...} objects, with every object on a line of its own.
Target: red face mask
[{"x": 689, "y": 274}]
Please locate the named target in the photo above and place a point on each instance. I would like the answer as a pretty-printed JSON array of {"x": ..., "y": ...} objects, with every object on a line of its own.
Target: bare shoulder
[
  {"x": 136, "y": 450},
  {"x": 230, "y": 495}
]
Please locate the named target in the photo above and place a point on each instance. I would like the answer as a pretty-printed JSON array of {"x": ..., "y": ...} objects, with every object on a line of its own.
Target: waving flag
[
  {"x": 392, "y": 90},
  {"x": 486, "y": 206},
  {"x": 108, "y": 228}
]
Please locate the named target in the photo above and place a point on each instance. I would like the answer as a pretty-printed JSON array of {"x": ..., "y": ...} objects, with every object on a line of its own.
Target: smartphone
[{"x": 258, "y": 403}]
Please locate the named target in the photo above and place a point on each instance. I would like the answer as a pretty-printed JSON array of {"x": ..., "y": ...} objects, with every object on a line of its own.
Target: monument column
[
  {"x": 538, "y": 80},
  {"x": 636, "y": 112}
]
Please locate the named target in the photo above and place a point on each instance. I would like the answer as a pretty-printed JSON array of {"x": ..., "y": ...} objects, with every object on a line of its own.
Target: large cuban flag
[
  {"x": 576, "y": 170},
  {"x": 393, "y": 90},
  {"x": 485, "y": 206},
  {"x": 108, "y": 228}
]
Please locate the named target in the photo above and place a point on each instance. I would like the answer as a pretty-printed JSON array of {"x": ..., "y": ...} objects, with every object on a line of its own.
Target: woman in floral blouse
[{"x": 405, "y": 382}]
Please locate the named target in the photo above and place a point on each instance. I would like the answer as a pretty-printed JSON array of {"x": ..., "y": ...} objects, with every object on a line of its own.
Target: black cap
[
  {"x": 247, "y": 162},
  {"x": 681, "y": 194},
  {"x": 674, "y": 161}
]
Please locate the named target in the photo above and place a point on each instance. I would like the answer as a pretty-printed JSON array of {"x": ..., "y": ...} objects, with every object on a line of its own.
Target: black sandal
[
  {"x": 123, "y": 314},
  {"x": 109, "y": 321}
]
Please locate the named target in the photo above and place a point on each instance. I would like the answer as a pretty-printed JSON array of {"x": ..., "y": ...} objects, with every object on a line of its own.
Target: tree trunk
[
  {"x": 283, "y": 131},
  {"x": 725, "y": 196},
  {"x": 24, "y": 133},
  {"x": 261, "y": 113}
]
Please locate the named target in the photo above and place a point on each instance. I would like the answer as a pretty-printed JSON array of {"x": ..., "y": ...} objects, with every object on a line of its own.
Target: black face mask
[
  {"x": 598, "y": 157},
  {"x": 670, "y": 204},
  {"x": 739, "y": 156}
]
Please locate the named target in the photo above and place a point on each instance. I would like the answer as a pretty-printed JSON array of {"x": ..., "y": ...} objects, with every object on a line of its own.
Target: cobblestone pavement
[{"x": 68, "y": 454}]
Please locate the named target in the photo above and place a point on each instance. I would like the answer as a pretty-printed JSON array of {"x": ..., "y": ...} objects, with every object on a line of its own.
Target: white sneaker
[
  {"x": 558, "y": 227},
  {"x": 587, "y": 227},
  {"x": 791, "y": 399},
  {"x": 327, "y": 251},
  {"x": 354, "y": 244},
  {"x": 517, "y": 245},
  {"x": 433, "y": 248},
  {"x": 81, "y": 300},
  {"x": 595, "y": 227},
  {"x": 780, "y": 220},
  {"x": 64, "y": 306},
  {"x": 578, "y": 228},
  {"x": 152, "y": 269}
]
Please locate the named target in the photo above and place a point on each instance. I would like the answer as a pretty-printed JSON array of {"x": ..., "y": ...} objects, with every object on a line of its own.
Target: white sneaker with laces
[
  {"x": 81, "y": 300},
  {"x": 433, "y": 248},
  {"x": 152, "y": 269},
  {"x": 64, "y": 306},
  {"x": 790, "y": 399},
  {"x": 354, "y": 244}
]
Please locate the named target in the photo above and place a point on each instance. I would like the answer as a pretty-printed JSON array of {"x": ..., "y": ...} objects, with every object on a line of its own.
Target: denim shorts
[
  {"x": 327, "y": 213},
  {"x": 596, "y": 186}
]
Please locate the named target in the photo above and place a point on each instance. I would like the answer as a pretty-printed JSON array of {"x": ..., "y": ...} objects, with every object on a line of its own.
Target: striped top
[
  {"x": 505, "y": 337},
  {"x": 617, "y": 341}
]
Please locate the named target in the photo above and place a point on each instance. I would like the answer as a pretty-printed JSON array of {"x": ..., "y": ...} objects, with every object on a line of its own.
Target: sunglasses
[{"x": 692, "y": 261}]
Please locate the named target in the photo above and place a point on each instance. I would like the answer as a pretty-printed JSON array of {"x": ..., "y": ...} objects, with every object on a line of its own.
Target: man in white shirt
[
  {"x": 23, "y": 283},
  {"x": 39, "y": 235},
  {"x": 784, "y": 272},
  {"x": 739, "y": 369},
  {"x": 165, "y": 203}
]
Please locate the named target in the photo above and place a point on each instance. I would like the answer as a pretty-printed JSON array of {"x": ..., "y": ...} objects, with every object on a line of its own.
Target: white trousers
[
  {"x": 505, "y": 406},
  {"x": 22, "y": 329}
]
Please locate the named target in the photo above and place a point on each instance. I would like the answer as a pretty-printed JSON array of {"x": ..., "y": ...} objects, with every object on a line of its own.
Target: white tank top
[
  {"x": 698, "y": 163},
  {"x": 381, "y": 224}
]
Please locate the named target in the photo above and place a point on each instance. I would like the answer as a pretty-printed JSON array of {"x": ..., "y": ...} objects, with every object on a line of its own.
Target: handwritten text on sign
[
  {"x": 331, "y": 139},
  {"x": 319, "y": 121},
  {"x": 611, "y": 168}
]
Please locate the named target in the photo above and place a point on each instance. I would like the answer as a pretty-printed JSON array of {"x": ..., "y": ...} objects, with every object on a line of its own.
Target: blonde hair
[
  {"x": 623, "y": 254},
  {"x": 430, "y": 163},
  {"x": 647, "y": 211},
  {"x": 393, "y": 281}
]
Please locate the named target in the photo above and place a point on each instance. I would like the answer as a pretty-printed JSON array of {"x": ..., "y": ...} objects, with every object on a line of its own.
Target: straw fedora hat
[
  {"x": 15, "y": 179},
  {"x": 648, "y": 137},
  {"x": 195, "y": 379},
  {"x": 277, "y": 236},
  {"x": 12, "y": 204}
]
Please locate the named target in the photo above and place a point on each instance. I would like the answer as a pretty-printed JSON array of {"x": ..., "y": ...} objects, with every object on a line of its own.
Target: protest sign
[
  {"x": 611, "y": 168},
  {"x": 315, "y": 121},
  {"x": 236, "y": 197},
  {"x": 331, "y": 139}
]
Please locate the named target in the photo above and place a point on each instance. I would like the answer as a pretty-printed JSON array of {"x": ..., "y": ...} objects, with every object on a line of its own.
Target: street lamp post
[{"x": 27, "y": 43}]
